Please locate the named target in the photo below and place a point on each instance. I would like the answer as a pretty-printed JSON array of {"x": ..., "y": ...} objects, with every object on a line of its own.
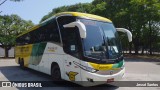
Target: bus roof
[
  {"x": 84, "y": 15},
  {"x": 77, "y": 14}
]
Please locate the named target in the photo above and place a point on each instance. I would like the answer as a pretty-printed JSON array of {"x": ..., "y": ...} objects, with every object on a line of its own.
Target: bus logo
[{"x": 72, "y": 75}]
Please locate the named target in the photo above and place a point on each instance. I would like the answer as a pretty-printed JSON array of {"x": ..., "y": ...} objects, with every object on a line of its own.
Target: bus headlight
[{"x": 89, "y": 69}]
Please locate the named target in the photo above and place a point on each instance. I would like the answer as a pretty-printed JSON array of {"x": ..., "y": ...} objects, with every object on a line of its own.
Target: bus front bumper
[{"x": 92, "y": 79}]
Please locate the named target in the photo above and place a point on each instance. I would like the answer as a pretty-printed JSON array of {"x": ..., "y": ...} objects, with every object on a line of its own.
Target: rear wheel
[
  {"x": 55, "y": 73},
  {"x": 21, "y": 63}
]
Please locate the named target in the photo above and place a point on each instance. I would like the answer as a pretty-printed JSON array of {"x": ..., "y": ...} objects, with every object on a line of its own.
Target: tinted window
[
  {"x": 94, "y": 42},
  {"x": 24, "y": 39},
  {"x": 102, "y": 40},
  {"x": 70, "y": 36},
  {"x": 47, "y": 32}
]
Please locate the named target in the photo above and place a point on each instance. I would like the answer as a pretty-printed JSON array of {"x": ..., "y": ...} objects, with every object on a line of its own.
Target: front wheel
[{"x": 55, "y": 73}]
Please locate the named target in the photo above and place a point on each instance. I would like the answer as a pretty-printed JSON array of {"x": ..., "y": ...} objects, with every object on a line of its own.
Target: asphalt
[{"x": 137, "y": 70}]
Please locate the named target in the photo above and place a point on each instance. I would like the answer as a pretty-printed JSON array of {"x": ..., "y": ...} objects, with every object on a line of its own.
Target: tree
[
  {"x": 135, "y": 15},
  {"x": 2, "y": 2},
  {"x": 10, "y": 27},
  {"x": 81, "y": 7},
  {"x": 118, "y": 11},
  {"x": 141, "y": 17}
]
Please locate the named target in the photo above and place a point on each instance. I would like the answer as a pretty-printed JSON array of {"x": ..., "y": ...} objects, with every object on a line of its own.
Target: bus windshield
[{"x": 102, "y": 40}]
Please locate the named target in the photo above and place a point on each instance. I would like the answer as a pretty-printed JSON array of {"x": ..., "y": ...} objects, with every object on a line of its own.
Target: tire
[
  {"x": 21, "y": 63},
  {"x": 56, "y": 74}
]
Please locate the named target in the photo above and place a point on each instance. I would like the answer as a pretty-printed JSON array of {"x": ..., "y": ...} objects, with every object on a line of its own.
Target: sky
[{"x": 33, "y": 10}]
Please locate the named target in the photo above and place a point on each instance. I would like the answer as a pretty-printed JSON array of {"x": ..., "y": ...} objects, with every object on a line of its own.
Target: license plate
[{"x": 110, "y": 80}]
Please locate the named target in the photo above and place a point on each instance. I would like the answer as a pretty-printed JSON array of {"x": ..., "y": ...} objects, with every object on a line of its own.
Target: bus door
[{"x": 71, "y": 47}]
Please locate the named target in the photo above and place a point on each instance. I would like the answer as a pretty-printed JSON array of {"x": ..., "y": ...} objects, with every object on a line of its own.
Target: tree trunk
[
  {"x": 136, "y": 45},
  {"x": 142, "y": 50},
  {"x": 130, "y": 48},
  {"x": 6, "y": 51},
  {"x": 136, "y": 49},
  {"x": 150, "y": 38},
  {"x": 130, "y": 44}
]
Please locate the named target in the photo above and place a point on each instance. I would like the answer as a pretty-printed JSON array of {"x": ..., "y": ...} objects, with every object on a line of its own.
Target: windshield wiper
[{"x": 103, "y": 57}]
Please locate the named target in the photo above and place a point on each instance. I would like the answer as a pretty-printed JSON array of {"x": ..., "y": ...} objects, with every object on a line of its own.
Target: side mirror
[
  {"x": 80, "y": 25},
  {"x": 129, "y": 34}
]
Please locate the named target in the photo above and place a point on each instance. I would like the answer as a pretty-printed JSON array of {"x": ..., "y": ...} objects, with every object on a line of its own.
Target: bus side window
[
  {"x": 69, "y": 36},
  {"x": 19, "y": 41},
  {"x": 24, "y": 39},
  {"x": 34, "y": 36},
  {"x": 27, "y": 38},
  {"x": 70, "y": 39},
  {"x": 47, "y": 32},
  {"x": 52, "y": 33}
]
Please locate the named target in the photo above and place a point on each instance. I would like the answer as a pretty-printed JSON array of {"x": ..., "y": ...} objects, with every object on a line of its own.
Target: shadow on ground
[
  {"x": 158, "y": 63},
  {"x": 14, "y": 73}
]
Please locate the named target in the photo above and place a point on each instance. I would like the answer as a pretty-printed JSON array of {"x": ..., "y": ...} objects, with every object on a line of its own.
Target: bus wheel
[
  {"x": 21, "y": 63},
  {"x": 55, "y": 73}
]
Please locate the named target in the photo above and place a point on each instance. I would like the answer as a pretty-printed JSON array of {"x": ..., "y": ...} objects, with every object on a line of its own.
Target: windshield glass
[{"x": 102, "y": 40}]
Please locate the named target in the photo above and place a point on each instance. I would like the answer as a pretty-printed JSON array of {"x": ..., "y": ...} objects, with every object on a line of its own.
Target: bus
[{"x": 73, "y": 46}]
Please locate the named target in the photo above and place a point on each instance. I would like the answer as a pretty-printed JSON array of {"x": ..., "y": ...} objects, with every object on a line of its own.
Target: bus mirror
[
  {"x": 80, "y": 25},
  {"x": 129, "y": 34}
]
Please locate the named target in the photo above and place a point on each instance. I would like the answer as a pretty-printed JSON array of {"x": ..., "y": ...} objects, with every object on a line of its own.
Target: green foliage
[
  {"x": 85, "y": 7},
  {"x": 99, "y": 9},
  {"x": 10, "y": 27},
  {"x": 141, "y": 17}
]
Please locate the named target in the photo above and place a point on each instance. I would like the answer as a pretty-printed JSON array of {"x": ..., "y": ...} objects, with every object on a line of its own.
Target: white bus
[{"x": 73, "y": 46}]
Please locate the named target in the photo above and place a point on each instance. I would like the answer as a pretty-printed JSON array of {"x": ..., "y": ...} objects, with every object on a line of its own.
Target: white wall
[
  {"x": 1, "y": 52},
  {"x": 10, "y": 52}
]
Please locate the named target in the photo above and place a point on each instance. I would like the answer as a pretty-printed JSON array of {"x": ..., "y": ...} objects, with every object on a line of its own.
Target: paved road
[{"x": 135, "y": 71}]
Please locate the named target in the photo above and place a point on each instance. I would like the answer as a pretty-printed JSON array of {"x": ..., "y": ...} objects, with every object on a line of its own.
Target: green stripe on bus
[
  {"x": 38, "y": 49},
  {"x": 118, "y": 65},
  {"x": 37, "y": 52}
]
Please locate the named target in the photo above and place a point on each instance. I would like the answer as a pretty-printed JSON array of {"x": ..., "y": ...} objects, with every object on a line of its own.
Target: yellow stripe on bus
[
  {"x": 84, "y": 15},
  {"x": 101, "y": 66},
  {"x": 24, "y": 52}
]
